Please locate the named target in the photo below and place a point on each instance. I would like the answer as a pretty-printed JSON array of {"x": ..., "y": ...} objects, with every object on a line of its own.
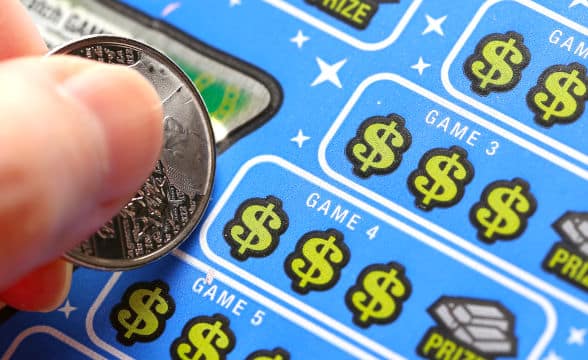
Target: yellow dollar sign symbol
[
  {"x": 204, "y": 338},
  {"x": 268, "y": 357},
  {"x": 503, "y": 210},
  {"x": 317, "y": 262},
  {"x": 559, "y": 95},
  {"x": 497, "y": 63},
  {"x": 142, "y": 313},
  {"x": 256, "y": 228},
  {"x": 378, "y": 146},
  {"x": 441, "y": 178},
  {"x": 378, "y": 294},
  {"x": 275, "y": 354}
]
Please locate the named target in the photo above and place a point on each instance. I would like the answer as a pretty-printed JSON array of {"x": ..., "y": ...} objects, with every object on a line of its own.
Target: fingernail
[{"x": 128, "y": 110}]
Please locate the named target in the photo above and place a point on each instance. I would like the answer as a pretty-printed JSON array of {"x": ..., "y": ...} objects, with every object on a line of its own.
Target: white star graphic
[
  {"x": 578, "y": 2},
  {"x": 210, "y": 275},
  {"x": 435, "y": 25},
  {"x": 420, "y": 66},
  {"x": 67, "y": 309},
  {"x": 552, "y": 356},
  {"x": 233, "y": 3},
  {"x": 300, "y": 139},
  {"x": 170, "y": 8},
  {"x": 577, "y": 336},
  {"x": 328, "y": 73},
  {"x": 299, "y": 39}
]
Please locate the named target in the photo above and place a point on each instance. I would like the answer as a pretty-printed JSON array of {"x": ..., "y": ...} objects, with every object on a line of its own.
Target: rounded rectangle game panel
[
  {"x": 45, "y": 342},
  {"x": 368, "y": 25},
  {"x": 180, "y": 308},
  {"x": 525, "y": 65},
  {"x": 239, "y": 96},
  {"x": 465, "y": 179},
  {"x": 359, "y": 271}
]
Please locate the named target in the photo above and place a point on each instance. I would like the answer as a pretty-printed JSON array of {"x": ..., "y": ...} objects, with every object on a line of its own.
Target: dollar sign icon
[
  {"x": 317, "y": 261},
  {"x": 256, "y": 228},
  {"x": 204, "y": 338},
  {"x": 441, "y": 178},
  {"x": 497, "y": 63},
  {"x": 559, "y": 95},
  {"x": 378, "y": 294},
  {"x": 275, "y": 354},
  {"x": 142, "y": 313},
  {"x": 503, "y": 210},
  {"x": 378, "y": 145}
]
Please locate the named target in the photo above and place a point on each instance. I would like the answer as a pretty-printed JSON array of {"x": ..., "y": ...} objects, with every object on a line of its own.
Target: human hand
[{"x": 77, "y": 139}]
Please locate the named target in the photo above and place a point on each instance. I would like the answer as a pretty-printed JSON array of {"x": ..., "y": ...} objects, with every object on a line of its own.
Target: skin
[{"x": 77, "y": 139}]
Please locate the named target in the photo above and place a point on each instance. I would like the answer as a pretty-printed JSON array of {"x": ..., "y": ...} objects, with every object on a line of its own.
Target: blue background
[{"x": 260, "y": 34}]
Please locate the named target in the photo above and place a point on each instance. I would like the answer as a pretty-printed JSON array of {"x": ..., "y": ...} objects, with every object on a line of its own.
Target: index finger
[{"x": 18, "y": 34}]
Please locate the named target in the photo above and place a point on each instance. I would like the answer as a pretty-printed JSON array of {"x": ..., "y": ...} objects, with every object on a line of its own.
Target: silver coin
[{"x": 171, "y": 202}]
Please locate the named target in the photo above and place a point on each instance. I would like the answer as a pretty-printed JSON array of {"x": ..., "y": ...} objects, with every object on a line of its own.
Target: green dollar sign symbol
[
  {"x": 276, "y": 354},
  {"x": 204, "y": 338},
  {"x": 142, "y": 313},
  {"x": 317, "y": 261},
  {"x": 441, "y": 178},
  {"x": 503, "y": 210},
  {"x": 497, "y": 63},
  {"x": 256, "y": 228},
  {"x": 559, "y": 95},
  {"x": 378, "y": 146},
  {"x": 378, "y": 294}
]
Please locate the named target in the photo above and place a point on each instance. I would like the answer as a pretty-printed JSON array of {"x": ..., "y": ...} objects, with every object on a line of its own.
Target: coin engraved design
[{"x": 169, "y": 205}]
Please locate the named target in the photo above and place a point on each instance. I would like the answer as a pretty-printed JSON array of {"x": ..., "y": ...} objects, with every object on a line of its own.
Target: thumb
[{"x": 77, "y": 139}]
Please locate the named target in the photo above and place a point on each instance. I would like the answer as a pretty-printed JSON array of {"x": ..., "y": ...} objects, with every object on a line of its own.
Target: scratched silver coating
[{"x": 171, "y": 202}]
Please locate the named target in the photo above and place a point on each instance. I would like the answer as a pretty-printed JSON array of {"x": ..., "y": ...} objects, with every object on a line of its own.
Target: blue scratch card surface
[{"x": 406, "y": 179}]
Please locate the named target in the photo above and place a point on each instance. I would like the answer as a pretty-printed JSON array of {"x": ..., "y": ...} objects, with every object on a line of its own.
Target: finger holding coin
[{"x": 171, "y": 202}]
